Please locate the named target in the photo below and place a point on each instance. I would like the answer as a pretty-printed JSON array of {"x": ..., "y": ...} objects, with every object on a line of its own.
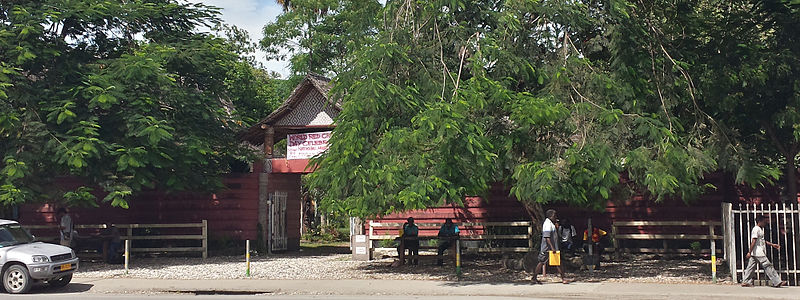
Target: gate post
[
  {"x": 729, "y": 238},
  {"x": 263, "y": 198}
]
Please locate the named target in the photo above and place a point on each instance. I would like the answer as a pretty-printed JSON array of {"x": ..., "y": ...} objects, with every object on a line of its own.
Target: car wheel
[
  {"x": 61, "y": 282},
  {"x": 16, "y": 279}
]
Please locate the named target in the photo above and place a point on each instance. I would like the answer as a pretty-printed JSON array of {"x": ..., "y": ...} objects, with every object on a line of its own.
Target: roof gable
[
  {"x": 313, "y": 109},
  {"x": 309, "y": 105},
  {"x": 310, "y": 82}
]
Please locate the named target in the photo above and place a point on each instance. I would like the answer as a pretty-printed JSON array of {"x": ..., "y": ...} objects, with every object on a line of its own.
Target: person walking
[
  {"x": 549, "y": 243},
  {"x": 758, "y": 255}
]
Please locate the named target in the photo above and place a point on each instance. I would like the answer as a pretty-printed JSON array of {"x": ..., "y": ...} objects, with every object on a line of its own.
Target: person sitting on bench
[
  {"x": 447, "y": 233},
  {"x": 114, "y": 240},
  {"x": 411, "y": 241}
]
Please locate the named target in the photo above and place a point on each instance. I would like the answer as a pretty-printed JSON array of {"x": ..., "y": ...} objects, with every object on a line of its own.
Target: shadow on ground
[
  {"x": 72, "y": 288},
  {"x": 486, "y": 269}
]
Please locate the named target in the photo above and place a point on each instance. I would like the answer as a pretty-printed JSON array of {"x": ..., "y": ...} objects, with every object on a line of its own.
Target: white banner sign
[{"x": 306, "y": 145}]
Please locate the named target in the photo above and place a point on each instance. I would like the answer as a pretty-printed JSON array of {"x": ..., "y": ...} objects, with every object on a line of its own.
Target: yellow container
[{"x": 555, "y": 258}]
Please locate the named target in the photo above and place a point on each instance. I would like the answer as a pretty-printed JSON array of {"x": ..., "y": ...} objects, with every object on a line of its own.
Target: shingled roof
[{"x": 255, "y": 135}]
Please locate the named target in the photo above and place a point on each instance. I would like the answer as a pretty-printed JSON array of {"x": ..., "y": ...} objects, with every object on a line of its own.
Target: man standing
[
  {"x": 567, "y": 233},
  {"x": 65, "y": 227},
  {"x": 411, "y": 241},
  {"x": 758, "y": 255},
  {"x": 447, "y": 233},
  {"x": 549, "y": 243}
]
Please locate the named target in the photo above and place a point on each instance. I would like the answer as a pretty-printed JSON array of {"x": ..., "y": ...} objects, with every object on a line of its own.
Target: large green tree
[
  {"x": 125, "y": 94},
  {"x": 541, "y": 95},
  {"x": 319, "y": 35},
  {"x": 747, "y": 65},
  {"x": 736, "y": 63}
]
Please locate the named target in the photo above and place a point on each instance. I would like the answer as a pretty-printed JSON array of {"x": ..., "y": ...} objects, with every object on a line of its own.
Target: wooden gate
[
  {"x": 277, "y": 219},
  {"x": 784, "y": 230}
]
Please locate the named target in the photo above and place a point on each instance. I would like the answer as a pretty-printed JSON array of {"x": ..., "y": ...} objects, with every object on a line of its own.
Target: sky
[{"x": 252, "y": 15}]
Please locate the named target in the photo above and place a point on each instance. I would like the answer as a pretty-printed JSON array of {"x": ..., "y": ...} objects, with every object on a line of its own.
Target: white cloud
[{"x": 252, "y": 15}]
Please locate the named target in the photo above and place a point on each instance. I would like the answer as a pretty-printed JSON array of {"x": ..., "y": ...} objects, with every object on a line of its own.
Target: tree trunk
[
  {"x": 790, "y": 173},
  {"x": 536, "y": 213}
]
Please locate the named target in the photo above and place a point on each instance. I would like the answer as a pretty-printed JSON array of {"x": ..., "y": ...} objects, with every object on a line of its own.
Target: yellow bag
[{"x": 555, "y": 258}]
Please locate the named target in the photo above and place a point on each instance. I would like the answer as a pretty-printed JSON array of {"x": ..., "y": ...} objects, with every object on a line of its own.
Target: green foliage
[
  {"x": 127, "y": 95},
  {"x": 453, "y": 95},
  {"x": 326, "y": 234},
  {"x": 696, "y": 246},
  {"x": 316, "y": 33}
]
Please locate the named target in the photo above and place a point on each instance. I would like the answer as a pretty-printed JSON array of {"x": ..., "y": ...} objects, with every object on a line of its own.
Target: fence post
[
  {"x": 713, "y": 254},
  {"x": 530, "y": 235},
  {"x": 614, "y": 241},
  {"x": 127, "y": 254},
  {"x": 729, "y": 238},
  {"x": 205, "y": 239},
  {"x": 247, "y": 257},
  {"x": 458, "y": 258}
]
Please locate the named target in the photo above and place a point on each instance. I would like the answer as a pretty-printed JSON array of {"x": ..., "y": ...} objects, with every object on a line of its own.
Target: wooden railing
[
  {"x": 203, "y": 236},
  {"x": 464, "y": 227},
  {"x": 709, "y": 225}
]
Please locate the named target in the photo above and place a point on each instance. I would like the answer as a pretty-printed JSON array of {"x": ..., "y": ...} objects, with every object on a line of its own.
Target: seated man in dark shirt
[
  {"x": 411, "y": 241},
  {"x": 112, "y": 236},
  {"x": 447, "y": 233}
]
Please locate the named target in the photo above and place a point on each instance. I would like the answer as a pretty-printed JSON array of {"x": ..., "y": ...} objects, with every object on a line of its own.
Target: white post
[
  {"x": 713, "y": 254},
  {"x": 127, "y": 254},
  {"x": 247, "y": 257},
  {"x": 729, "y": 236}
]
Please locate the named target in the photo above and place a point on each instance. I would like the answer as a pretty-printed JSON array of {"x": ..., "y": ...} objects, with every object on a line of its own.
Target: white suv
[{"x": 25, "y": 261}]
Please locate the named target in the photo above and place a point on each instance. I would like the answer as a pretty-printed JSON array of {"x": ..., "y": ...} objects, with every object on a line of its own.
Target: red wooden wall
[
  {"x": 231, "y": 213},
  {"x": 500, "y": 206}
]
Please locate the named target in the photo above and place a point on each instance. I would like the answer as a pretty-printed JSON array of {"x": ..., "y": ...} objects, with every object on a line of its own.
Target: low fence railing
[
  {"x": 521, "y": 234},
  {"x": 132, "y": 236}
]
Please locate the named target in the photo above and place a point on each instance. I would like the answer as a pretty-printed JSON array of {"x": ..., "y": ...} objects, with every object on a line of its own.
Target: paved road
[
  {"x": 125, "y": 288},
  {"x": 253, "y": 297}
]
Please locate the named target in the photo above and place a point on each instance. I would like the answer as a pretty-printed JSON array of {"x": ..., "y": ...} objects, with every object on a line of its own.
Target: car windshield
[{"x": 13, "y": 234}]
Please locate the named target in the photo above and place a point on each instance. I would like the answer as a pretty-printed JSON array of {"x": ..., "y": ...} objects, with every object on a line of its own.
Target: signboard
[{"x": 306, "y": 145}]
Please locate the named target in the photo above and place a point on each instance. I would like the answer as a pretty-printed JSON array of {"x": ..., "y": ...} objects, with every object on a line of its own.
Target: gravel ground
[{"x": 322, "y": 264}]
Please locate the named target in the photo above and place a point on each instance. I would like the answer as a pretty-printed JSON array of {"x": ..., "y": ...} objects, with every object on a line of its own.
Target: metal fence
[{"x": 784, "y": 230}]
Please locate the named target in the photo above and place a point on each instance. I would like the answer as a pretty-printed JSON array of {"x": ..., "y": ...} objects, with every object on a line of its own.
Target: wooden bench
[
  {"x": 202, "y": 236},
  {"x": 618, "y": 235},
  {"x": 467, "y": 229}
]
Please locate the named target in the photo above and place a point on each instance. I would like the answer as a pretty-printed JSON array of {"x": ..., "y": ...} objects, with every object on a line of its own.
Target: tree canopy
[
  {"x": 317, "y": 35},
  {"x": 565, "y": 101},
  {"x": 125, "y": 94}
]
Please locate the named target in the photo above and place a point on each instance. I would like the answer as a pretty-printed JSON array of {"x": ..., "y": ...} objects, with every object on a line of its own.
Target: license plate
[{"x": 65, "y": 267}]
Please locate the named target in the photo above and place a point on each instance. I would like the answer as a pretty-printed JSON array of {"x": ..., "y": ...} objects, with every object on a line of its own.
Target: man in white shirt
[
  {"x": 549, "y": 243},
  {"x": 758, "y": 255}
]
